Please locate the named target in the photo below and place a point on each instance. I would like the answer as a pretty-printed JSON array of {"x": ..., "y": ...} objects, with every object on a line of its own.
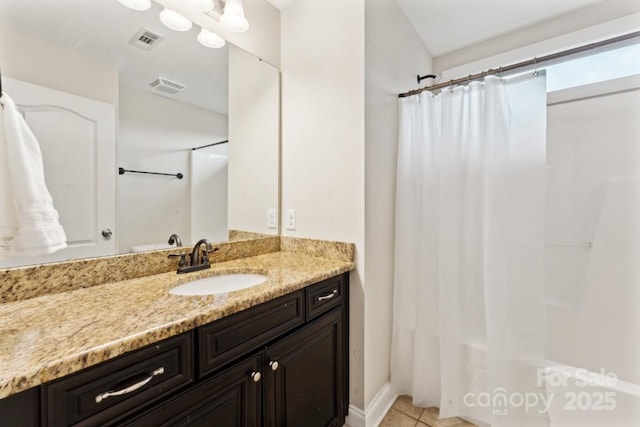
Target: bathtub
[
  {"x": 576, "y": 397},
  {"x": 581, "y": 398}
]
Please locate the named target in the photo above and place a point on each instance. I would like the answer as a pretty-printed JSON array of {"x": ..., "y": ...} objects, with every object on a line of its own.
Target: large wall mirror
[{"x": 108, "y": 90}]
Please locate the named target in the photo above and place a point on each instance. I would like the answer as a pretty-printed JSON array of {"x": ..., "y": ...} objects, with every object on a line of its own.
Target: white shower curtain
[{"x": 469, "y": 258}]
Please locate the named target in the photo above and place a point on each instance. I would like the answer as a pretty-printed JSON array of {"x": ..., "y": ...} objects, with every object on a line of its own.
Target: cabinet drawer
[
  {"x": 238, "y": 334},
  {"x": 103, "y": 394},
  {"x": 230, "y": 398},
  {"x": 325, "y": 295}
]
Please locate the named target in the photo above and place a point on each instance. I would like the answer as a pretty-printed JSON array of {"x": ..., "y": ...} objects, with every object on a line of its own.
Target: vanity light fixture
[
  {"x": 233, "y": 18},
  {"x": 179, "y": 22},
  {"x": 174, "y": 20},
  {"x": 210, "y": 39},
  {"x": 136, "y": 4}
]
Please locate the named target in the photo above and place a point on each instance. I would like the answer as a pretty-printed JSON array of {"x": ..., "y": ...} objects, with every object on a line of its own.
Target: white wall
[
  {"x": 394, "y": 56},
  {"x": 254, "y": 141},
  {"x": 156, "y": 134},
  {"x": 37, "y": 61},
  {"x": 323, "y": 138}
]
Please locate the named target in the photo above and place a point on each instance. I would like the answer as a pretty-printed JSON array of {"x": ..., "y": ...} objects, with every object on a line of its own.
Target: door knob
[
  {"x": 107, "y": 233},
  {"x": 274, "y": 365},
  {"x": 255, "y": 376}
]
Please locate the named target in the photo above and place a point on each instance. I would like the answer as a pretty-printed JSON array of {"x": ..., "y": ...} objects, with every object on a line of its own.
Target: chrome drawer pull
[
  {"x": 329, "y": 296},
  {"x": 131, "y": 388}
]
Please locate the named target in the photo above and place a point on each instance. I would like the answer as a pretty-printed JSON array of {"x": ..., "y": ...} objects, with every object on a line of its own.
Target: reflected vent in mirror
[
  {"x": 146, "y": 39},
  {"x": 167, "y": 86}
]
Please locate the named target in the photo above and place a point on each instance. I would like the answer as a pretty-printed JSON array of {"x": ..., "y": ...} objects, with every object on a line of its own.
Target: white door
[{"x": 77, "y": 139}]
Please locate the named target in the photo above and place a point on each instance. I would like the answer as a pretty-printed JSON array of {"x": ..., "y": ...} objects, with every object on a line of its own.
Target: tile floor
[{"x": 404, "y": 414}]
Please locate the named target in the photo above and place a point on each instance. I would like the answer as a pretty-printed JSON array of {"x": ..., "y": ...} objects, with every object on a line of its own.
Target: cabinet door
[
  {"x": 21, "y": 410},
  {"x": 230, "y": 399},
  {"x": 306, "y": 386}
]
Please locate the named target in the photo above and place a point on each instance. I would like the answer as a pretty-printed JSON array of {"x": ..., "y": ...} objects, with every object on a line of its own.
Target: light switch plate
[
  {"x": 290, "y": 219},
  {"x": 272, "y": 218}
]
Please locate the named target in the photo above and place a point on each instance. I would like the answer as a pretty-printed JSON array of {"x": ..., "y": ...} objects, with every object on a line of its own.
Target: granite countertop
[{"x": 50, "y": 336}]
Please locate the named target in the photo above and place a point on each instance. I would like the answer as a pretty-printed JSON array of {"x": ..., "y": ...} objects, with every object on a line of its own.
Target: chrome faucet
[
  {"x": 174, "y": 238},
  {"x": 198, "y": 259}
]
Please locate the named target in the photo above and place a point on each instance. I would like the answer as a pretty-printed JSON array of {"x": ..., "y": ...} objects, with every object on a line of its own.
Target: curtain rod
[
  {"x": 121, "y": 171},
  {"x": 210, "y": 145},
  {"x": 530, "y": 62}
]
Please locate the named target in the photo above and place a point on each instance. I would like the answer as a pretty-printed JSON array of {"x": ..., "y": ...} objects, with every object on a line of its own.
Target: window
[{"x": 607, "y": 65}]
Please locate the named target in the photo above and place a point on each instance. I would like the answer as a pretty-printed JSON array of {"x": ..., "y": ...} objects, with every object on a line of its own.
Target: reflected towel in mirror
[{"x": 29, "y": 223}]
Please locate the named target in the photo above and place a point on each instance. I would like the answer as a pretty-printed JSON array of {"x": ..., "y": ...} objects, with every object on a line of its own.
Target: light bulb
[
  {"x": 136, "y": 4},
  {"x": 174, "y": 20},
  {"x": 233, "y": 17},
  {"x": 201, "y": 5},
  {"x": 210, "y": 39}
]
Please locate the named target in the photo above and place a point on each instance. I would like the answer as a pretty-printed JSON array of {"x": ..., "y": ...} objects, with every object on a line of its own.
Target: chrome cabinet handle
[
  {"x": 131, "y": 388},
  {"x": 274, "y": 365},
  {"x": 328, "y": 296},
  {"x": 255, "y": 376},
  {"x": 107, "y": 233}
]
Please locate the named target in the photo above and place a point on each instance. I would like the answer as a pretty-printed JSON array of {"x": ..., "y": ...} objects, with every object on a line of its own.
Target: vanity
[{"x": 271, "y": 355}]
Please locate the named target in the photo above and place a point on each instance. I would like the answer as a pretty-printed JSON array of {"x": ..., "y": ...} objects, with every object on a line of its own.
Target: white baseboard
[
  {"x": 355, "y": 417},
  {"x": 375, "y": 410}
]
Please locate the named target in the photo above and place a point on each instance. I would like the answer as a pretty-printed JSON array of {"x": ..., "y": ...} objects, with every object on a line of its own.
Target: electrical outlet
[
  {"x": 272, "y": 218},
  {"x": 291, "y": 219}
]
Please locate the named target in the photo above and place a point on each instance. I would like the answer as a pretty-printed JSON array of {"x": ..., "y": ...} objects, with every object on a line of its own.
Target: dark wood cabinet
[
  {"x": 241, "y": 333},
  {"x": 283, "y": 363},
  {"x": 22, "y": 409},
  {"x": 304, "y": 376},
  {"x": 112, "y": 390},
  {"x": 325, "y": 295},
  {"x": 231, "y": 398}
]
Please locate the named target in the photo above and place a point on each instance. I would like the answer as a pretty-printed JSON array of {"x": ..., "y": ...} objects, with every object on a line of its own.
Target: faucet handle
[
  {"x": 183, "y": 259},
  {"x": 204, "y": 259}
]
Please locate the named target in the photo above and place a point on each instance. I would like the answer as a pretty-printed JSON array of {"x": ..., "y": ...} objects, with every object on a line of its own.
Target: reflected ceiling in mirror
[
  {"x": 168, "y": 94},
  {"x": 107, "y": 31}
]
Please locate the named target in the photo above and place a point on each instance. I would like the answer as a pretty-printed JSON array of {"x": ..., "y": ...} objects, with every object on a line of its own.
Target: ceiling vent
[
  {"x": 167, "y": 86},
  {"x": 146, "y": 39}
]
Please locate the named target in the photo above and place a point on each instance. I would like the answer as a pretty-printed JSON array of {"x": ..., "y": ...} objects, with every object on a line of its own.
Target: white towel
[{"x": 29, "y": 223}]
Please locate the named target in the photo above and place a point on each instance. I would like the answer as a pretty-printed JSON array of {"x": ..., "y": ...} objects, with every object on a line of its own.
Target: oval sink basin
[{"x": 219, "y": 284}]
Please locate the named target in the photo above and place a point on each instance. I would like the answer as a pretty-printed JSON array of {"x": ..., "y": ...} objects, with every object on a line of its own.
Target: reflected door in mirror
[{"x": 77, "y": 140}]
